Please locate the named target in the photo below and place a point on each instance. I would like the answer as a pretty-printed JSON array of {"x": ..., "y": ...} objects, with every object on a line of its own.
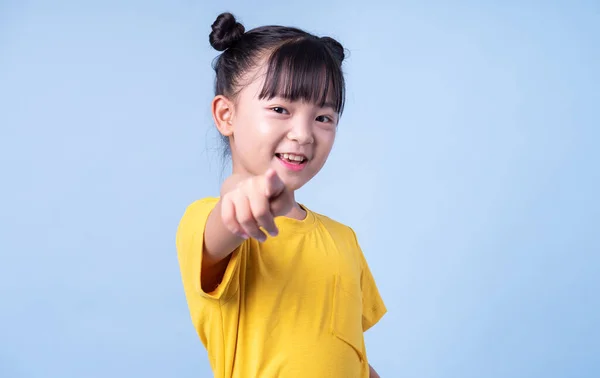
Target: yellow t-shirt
[{"x": 294, "y": 306}]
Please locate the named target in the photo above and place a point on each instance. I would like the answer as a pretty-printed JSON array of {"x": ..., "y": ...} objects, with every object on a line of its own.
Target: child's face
[{"x": 265, "y": 130}]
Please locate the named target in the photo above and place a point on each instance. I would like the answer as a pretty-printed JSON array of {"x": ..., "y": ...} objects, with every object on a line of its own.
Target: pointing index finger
[{"x": 273, "y": 184}]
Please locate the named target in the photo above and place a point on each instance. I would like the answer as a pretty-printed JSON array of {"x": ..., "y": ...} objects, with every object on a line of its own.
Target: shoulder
[
  {"x": 201, "y": 206},
  {"x": 337, "y": 229},
  {"x": 330, "y": 222},
  {"x": 197, "y": 212}
]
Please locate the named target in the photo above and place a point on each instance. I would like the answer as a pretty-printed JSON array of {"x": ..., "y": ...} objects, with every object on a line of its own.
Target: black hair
[{"x": 301, "y": 66}]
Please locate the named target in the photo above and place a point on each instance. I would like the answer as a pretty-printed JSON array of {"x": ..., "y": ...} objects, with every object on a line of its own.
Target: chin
[
  {"x": 294, "y": 180},
  {"x": 293, "y": 183}
]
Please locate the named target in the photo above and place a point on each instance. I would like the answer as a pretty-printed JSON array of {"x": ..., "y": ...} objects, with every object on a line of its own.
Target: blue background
[{"x": 467, "y": 162}]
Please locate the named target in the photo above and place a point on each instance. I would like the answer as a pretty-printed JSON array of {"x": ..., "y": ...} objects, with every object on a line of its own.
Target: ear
[{"x": 222, "y": 111}]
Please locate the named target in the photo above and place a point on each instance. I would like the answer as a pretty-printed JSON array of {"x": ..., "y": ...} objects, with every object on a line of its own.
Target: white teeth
[{"x": 292, "y": 157}]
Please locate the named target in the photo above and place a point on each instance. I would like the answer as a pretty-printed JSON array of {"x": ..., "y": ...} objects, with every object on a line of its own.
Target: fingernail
[{"x": 274, "y": 233}]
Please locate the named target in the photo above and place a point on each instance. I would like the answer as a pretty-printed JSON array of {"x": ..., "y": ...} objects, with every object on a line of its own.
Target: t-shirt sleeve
[
  {"x": 190, "y": 242},
  {"x": 373, "y": 307}
]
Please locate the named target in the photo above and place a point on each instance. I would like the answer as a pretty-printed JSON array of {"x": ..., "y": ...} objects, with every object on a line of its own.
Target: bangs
[{"x": 305, "y": 70}]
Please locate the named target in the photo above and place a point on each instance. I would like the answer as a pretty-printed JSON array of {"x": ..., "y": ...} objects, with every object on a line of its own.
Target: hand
[{"x": 255, "y": 202}]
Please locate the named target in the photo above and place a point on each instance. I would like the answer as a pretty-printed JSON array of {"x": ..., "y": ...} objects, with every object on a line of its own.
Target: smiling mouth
[{"x": 292, "y": 158}]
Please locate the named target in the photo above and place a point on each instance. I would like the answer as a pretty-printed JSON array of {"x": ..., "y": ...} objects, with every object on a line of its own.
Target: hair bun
[
  {"x": 336, "y": 48},
  {"x": 226, "y": 31}
]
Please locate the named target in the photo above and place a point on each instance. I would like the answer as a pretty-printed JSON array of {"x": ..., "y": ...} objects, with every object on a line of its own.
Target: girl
[{"x": 296, "y": 303}]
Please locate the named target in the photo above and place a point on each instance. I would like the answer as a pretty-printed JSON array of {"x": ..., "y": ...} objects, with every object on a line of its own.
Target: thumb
[{"x": 273, "y": 184}]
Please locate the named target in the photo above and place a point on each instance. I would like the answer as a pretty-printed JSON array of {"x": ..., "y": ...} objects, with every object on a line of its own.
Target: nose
[{"x": 301, "y": 131}]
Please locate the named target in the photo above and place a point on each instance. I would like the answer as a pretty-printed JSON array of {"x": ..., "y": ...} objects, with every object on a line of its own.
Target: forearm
[
  {"x": 219, "y": 241},
  {"x": 218, "y": 245}
]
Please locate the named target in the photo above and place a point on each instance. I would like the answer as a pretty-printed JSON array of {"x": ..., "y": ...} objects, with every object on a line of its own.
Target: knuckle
[
  {"x": 233, "y": 229},
  {"x": 225, "y": 203},
  {"x": 254, "y": 188},
  {"x": 226, "y": 217},
  {"x": 232, "y": 226},
  {"x": 248, "y": 184},
  {"x": 230, "y": 195}
]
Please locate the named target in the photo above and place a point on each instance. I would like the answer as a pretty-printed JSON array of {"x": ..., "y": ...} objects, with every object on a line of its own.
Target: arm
[
  {"x": 246, "y": 203},
  {"x": 219, "y": 241},
  {"x": 373, "y": 373}
]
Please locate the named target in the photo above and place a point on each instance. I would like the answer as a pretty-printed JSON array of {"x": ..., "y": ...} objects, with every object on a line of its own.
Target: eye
[
  {"x": 325, "y": 119},
  {"x": 279, "y": 109}
]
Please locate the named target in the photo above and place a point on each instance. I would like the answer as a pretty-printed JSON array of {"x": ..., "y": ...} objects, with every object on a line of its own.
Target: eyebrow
[{"x": 327, "y": 104}]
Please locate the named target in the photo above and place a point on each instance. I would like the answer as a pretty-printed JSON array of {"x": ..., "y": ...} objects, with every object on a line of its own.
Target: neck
[{"x": 297, "y": 212}]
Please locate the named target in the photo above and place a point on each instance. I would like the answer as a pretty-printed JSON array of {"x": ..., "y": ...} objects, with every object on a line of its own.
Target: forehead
[{"x": 294, "y": 76}]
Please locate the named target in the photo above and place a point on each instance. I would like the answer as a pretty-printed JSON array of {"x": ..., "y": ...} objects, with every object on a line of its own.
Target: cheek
[
  {"x": 252, "y": 125},
  {"x": 255, "y": 135},
  {"x": 265, "y": 127},
  {"x": 326, "y": 139}
]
